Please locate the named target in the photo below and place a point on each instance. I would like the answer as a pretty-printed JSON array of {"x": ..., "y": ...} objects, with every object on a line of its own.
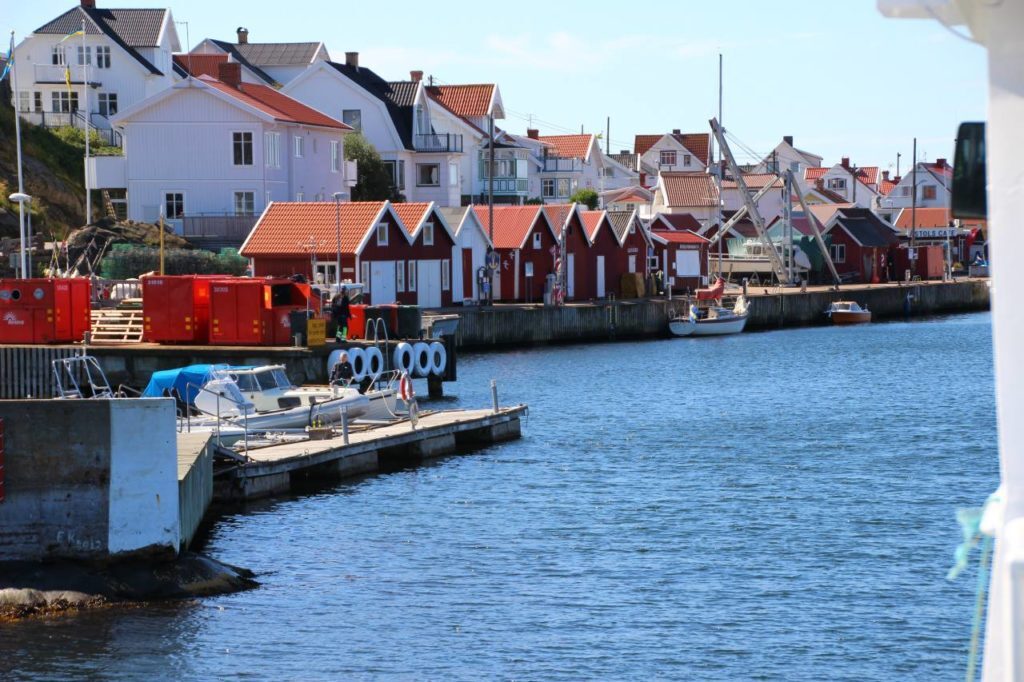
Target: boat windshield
[
  {"x": 281, "y": 378},
  {"x": 247, "y": 383}
]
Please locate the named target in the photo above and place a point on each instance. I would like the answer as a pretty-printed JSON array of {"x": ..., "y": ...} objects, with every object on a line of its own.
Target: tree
[
  {"x": 374, "y": 179},
  {"x": 585, "y": 196},
  {"x": 534, "y": 201}
]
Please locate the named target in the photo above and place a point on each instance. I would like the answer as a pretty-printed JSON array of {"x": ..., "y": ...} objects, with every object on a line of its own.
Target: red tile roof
[
  {"x": 633, "y": 195},
  {"x": 642, "y": 143},
  {"x": 926, "y": 218},
  {"x": 689, "y": 189},
  {"x": 464, "y": 100},
  {"x": 592, "y": 221},
  {"x": 512, "y": 224},
  {"x": 569, "y": 146},
  {"x": 557, "y": 214},
  {"x": 679, "y": 236},
  {"x": 676, "y": 221},
  {"x": 697, "y": 143},
  {"x": 868, "y": 175},
  {"x": 411, "y": 214},
  {"x": 201, "y": 64},
  {"x": 270, "y": 101},
  {"x": 886, "y": 187},
  {"x": 285, "y": 228},
  {"x": 755, "y": 181},
  {"x": 815, "y": 173}
]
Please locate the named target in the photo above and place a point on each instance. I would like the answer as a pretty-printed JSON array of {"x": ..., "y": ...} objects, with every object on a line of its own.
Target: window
[
  {"x": 266, "y": 198},
  {"x": 84, "y": 55},
  {"x": 300, "y": 146},
  {"x": 667, "y": 157},
  {"x": 57, "y": 55},
  {"x": 364, "y": 267},
  {"x": 300, "y": 196},
  {"x": 565, "y": 186},
  {"x": 608, "y": 172},
  {"x": 794, "y": 166},
  {"x": 836, "y": 183},
  {"x": 838, "y": 253},
  {"x": 412, "y": 276},
  {"x": 23, "y": 100},
  {"x": 174, "y": 205},
  {"x": 272, "y": 150},
  {"x": 445, "y": 275},
  {"x": 686, "y": 159},
  {"x": 428, "y": 234},
  {"x": 108, "y": 104},
  {"x": 928, "y": 192},
  {"x": 400, "y": 275},
  {"x": 453, "y": 174},
  {"x": 397, "y": 171},
  {"x": 547, "y": 186},
  {"x": 352, "y": 117},
  {"x": 536, "y": 240},
  {"x": 245, "y": 203},
  {"x": 905, "y": 190},
  {"x": 335, "y": 156},
  {"x": 428, "y": 174},
  {"x": 37, "y": 101},
  {"x": 103, "y": 57},
  {"x": 63, "y": 101},
  {"x": 382, "y": 234},
  {"x": 242, "y": 143}
]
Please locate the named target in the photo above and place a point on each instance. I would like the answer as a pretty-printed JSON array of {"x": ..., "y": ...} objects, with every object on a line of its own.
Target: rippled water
[{"x": 766, "y": 506}]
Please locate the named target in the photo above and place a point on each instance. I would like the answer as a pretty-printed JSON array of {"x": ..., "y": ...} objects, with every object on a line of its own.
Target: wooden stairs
[{"x": 117, "y": 325}]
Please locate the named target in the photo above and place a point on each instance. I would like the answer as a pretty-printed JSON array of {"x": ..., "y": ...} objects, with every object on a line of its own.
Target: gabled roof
[
  {"x": 925, "y": 218},
  {"x": 460, "y": 218},
  {"x": 278, "y": 54},
  {"x": 824, "y": 212},
  {"x": 689, "y": 189},
  {"x": 621, "y": 221},
  {"x": 129, "y": 28},
  {"x": 592, "y": 221},
  {"x": 634, "y": 195},
  {"x": 465, "y": 100},
  {"x": 755, "y": 181},
  {"x": 811, "y": 174},
  {"x": 512, "y": 224},
  {"x": 699, "y": 144},
  {"x": 628, "y": 160},
  {"x": 208, "y": 65},
  {"x": 558, "y": 215},
  {"x": 866, "y": 228},
  {"x": 675, "y": 221},
  {"x": 274, "y": 103},
  {"x": 417, "y": 214},
  {"x": 286, "y": 228},
  {"x": 886, "y": 187},
  {"x": 398, "y": 96},
  {"x": 677, "y": 237},
  {"x": 230, "y": 48},
  {"x": 569, "y": 146}
]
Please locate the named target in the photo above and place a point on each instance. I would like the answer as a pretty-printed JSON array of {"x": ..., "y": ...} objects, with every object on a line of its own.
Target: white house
[
  {"x": 276, "y": 63},
  {"x": 124, "y": 55},
  {"x": 859, "y": 186},
  {"x": 211, "y": 154},
  {"x": 674, "y": 152},
  {"x": 562, "y": 164},
  {"x": 395, "y": 117},
  {"x": 693, "y": 193},
  {"x": 769, "y": 205},
  {"x": 469, "y": 254},
  {"x": 785, "y": 157},
  {"x": 934, "y": 183}
]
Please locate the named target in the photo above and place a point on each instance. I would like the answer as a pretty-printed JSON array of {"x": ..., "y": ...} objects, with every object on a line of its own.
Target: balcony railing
[
  {"x": 438, "y": 142},
  {"x": 554, "y": 164},
  {"x": 219, "y": 225},
  {"x": 55, "y": 73}
]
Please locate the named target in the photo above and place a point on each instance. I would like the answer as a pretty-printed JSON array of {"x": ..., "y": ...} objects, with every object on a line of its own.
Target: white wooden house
[
  {"x": 674, "y": 152},
  {"x": 849, "y": 183},
  {"x": 787, "y": 157},
  {"x": 559, "y": 165},
  {"x": 934, "y": 183}
]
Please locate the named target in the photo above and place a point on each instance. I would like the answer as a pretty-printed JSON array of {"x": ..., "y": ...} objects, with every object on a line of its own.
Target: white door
[
  {"x": 570, "y": 276},
  {"x": 600, "y": 276},
  {"x": 687, "y": 263},
  {"x": 428, "y": 283},
  {"x": 632, "y": 263},
  {"x": 382, "y": 281}
]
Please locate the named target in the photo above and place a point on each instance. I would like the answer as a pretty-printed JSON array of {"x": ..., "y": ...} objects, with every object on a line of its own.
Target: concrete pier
[{"x": 195, "y": 482}]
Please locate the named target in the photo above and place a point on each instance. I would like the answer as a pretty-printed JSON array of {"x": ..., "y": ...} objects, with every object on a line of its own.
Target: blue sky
[{"x": 839, "y": 77}]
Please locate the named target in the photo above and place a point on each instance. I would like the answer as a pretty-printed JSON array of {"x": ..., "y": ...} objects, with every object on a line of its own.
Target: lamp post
[
  {"x": 338, "y": 196},
  {"x": 21, "y": 198}
]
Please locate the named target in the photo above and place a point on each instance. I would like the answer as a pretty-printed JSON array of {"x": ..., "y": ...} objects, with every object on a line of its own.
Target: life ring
[
  {"x": 357, "y": 356},
  {"x": 374, "y": 362},
  {"x": 438, "y": 358},
  {"x": 403, "y": 357},
  {"x": 421, "y": 357}
]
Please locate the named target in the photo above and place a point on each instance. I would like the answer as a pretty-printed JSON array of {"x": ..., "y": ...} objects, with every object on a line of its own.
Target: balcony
[
  {"x": 507, "y": 186},
  {"x": 55, "y": 73},
  {"x": 553, "y": 164},
  {"x": 437, "y": 142},
  {"x": 215, "y": 230}
]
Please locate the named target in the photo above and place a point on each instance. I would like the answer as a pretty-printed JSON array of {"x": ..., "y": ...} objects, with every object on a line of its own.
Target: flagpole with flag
[
  {"x": 85, "y": 106},
  {"x": 17, "y": 136}
]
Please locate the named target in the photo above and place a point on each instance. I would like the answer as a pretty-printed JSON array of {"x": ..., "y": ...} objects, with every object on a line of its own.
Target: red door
[{"x": 467, "y": 273}]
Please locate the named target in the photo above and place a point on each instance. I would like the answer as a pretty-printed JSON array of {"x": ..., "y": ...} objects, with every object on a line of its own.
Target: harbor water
[{"x": 776, "y": 505}]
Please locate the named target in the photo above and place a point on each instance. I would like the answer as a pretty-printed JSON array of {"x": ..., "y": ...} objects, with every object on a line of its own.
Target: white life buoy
[
  {"x": 405, "y": 389},
  {"x": 403, "y": 357},
  {"x": 357, "y": 356},
  {"x": 421, "y": 355},
  {"x": 438, "y": 358},
  {"x": 374, "y": 362}
]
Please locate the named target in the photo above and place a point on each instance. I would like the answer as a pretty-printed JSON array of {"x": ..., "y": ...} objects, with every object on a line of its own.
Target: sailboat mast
[
  {"x": 718, "y": 170},
  {"x": 23, "y": 258}
]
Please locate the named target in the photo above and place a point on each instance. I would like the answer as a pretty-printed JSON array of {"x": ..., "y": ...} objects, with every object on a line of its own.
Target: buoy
[
  {"x": 421, "y": 355},
  {"x": 357, "y": 356},
  {"x": 438, "y": 358},
  {"x": 374, "y": 362},
  {"x": 403, "y": 357}
]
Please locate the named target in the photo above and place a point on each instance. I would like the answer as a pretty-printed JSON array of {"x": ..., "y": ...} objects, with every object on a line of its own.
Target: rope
[{"x": 979, "y": 609}]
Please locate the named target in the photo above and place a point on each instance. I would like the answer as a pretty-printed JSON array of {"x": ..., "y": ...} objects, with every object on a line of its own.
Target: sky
[{"x": 838, "y": 76}]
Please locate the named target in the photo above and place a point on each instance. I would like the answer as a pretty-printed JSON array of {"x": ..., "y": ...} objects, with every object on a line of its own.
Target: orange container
[
  {"x": 176, "y": 308},
  {"x": 238, "y": 314},
  {"x": 44, "y": 310}
]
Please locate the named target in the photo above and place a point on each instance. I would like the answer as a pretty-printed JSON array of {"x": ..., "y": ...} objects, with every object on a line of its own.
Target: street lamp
[
  {"x": 338, "y": 196},
  {"x": 21, "y": 198}
]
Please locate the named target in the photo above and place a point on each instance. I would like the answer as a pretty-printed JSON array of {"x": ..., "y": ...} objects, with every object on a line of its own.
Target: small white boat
[
  {"x": 848, "y": 312},
  {"x": 682, "y": 326},
  {"x": 718, "y": 321}
]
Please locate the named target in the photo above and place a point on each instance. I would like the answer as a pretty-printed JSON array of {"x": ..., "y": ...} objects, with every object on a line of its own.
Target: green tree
[
  {"x": 585, "y": 196},
  {"x": 374, "y": 181},
  {"x": 533, "y": 201}
]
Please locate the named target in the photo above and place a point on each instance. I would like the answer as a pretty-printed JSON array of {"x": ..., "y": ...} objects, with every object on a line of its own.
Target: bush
[
  {"x": 76, "y": 138},
  {"x": 126, "y": 261},
  {"x": 585, "y": 196}
]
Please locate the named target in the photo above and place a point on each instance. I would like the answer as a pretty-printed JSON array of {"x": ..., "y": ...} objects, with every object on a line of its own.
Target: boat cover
[
  {"x": 162, "y": 383},
  {"x": 713, "y": 293}
]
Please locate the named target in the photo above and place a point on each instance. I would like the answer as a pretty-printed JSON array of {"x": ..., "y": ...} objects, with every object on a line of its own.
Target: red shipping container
[
  {"x": 238, "y": 312},
  {"x": 176, "y": 308},
  {"x": 44, "y": 310}
]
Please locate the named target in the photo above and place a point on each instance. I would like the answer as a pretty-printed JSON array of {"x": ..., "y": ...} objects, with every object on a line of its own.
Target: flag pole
[
  {"x": 85, "y": 105},
  {"x": 21, "y": 179}
]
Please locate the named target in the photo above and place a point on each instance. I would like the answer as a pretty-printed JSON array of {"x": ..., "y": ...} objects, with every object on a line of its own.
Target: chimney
[
  {"x": 89, "y": 4},
  {"x": 533, "y": 133},
  {"x": 846, "y": 162},
  {"x": 352, "y": 59},
  {"x": 897, "y": 179},
  {"x": 243, "y": 35},
  {"x": 416, "y": 76},
  {"x": 788, "y": 139},
  {"x": 675, "y": 131},
  {"x": 885, "y": 175},
  {"x": 230, "y": 73},
  {"x": 941, "y": 163}
]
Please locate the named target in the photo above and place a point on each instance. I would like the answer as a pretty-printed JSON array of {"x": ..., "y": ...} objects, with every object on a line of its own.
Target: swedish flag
[{"x": 10, "y": 61}]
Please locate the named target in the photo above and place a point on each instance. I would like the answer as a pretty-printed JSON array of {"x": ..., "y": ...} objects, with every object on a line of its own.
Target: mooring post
[
  {"x": 494, "y": 395},
  {"x": 435, "y": 386},
  {"x": 344, "y": 425}
]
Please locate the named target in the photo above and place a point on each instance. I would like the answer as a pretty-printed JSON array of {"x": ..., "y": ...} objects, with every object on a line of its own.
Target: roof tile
[
  {"x": 689, "y": 189},
  {"x": 280, "y": 106},
  {"x": 511, "y": 224},
  {"x": 569, "y": 146},
  {"x": 465, "y": 100},
  {"x": 286, "y": 228}
]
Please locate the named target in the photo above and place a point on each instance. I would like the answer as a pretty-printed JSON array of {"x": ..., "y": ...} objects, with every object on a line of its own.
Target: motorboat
[
  {"x": 718, "y": 320},
  {"x": 848, "y": 312},
  {"x": 750, "y": 256}
]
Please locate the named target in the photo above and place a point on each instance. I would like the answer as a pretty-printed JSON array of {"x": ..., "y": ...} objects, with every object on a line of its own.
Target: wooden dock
[
  {"x": 275, "y": 469},
  {"x": 195, "y": 482}
]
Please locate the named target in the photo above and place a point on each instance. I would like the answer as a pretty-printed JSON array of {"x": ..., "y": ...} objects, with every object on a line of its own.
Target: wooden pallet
[{"x": 117, "y": 325}]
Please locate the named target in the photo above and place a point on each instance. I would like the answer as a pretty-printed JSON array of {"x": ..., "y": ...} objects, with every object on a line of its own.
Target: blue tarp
[{"x": 162, "y": 383}]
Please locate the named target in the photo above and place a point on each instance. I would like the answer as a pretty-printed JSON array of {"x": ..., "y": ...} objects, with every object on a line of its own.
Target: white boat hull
[
  {"x": 720, "y": 326},
  {"x": 682, "y": 326}
]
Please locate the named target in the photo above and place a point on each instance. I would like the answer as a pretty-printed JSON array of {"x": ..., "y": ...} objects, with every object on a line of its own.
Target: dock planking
[{"x": 195, "y": 482}]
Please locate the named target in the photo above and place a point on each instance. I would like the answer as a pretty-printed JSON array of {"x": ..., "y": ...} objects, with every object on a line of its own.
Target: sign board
[
  {"x": 493, "y": 260},
  {"x": 316, "y": 332}
]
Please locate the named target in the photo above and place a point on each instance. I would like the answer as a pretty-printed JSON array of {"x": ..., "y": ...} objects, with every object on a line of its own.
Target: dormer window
[
  {"x": 428, "y": 234},
  {"x": 382, "y": 234}
]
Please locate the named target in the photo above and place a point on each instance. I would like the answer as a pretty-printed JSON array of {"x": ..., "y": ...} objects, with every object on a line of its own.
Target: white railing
[{"x": 57, "y": 73}]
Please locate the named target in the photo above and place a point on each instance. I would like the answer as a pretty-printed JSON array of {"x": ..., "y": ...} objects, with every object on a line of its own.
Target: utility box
[
  {"x": 37, "y": 311},
  {"x": 176, "y": 308}
]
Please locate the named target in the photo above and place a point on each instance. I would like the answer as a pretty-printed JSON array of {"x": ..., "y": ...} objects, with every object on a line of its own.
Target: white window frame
[
  {"x": 61, "y": 96},
  {"x": 272, "y": 150},
  {"x": 547, "y": 188},
  {"x": 81, "y": 50},
  {"x": 240, "y": 134},
  {"x": 446, "y": 277},
  {"x": 335, "y": 156},
  {"x": 102, "y": 56},
  {"x": 536, "y": 241},
  {"x": 687, "y": 159},
  {"x": 838, "y": 253},
  {"x": 665, "y": 154},
  {"x": 37, "y": 101},
  {"x": 241, "y": 193},
  {"x": 453, "y": 174},
  {"x": 299, "y": 146},
  {"x": 567, "y": 182},
  {"x": 836, "y": 183},
  {"x": 57, "y": 56},
  {"x": 411, "y": 279},
  {"x": 24, "y": 100},
  {"x": 163, "y": 204},
  {"x": 400, "y": 276},
  {"x": 437, "y": 181},
  {"x": 364, "y": 268},
  {"x": 104, "y": 100},
  {"x": 352, "y": 118},
  {"x": 382, "y": 234},
  {"x": 428, "y": 234}
]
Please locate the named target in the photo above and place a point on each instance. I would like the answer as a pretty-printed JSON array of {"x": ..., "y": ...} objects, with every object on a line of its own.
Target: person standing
[{"x": 340, "y": 313}]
